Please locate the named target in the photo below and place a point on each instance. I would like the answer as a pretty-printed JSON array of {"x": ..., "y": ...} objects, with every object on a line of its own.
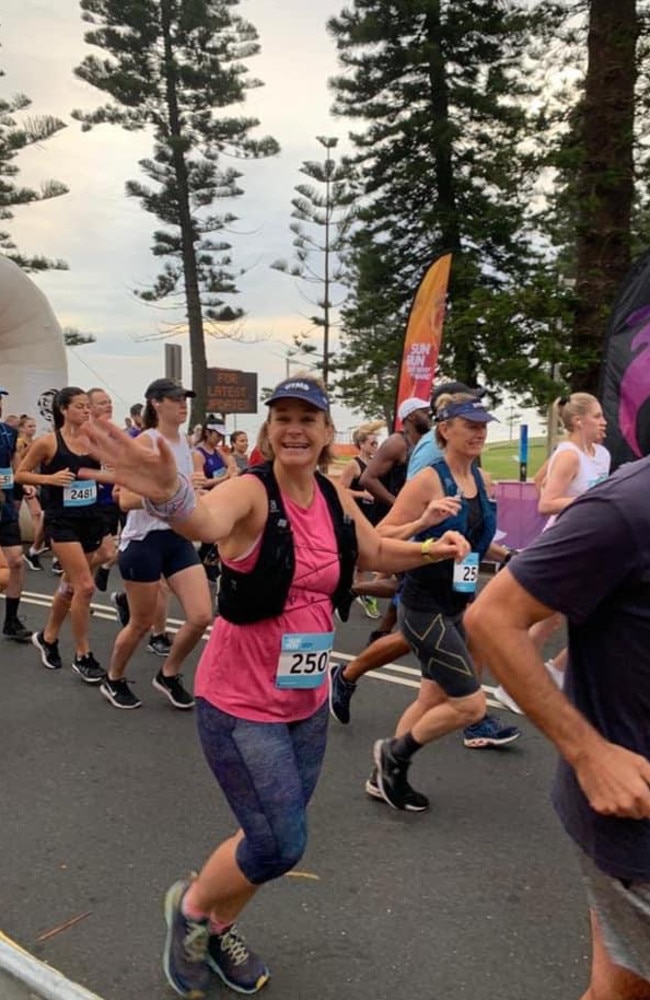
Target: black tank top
[{"x": 80, "y": 498}]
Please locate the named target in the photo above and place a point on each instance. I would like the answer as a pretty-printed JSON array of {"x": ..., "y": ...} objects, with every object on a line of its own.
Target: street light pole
[{"x": 329, "y": 143}]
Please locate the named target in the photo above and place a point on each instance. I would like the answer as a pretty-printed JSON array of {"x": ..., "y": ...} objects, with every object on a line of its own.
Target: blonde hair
[
  {"x": 444, "y": 400},
  {"x": 568, "y": 408},
  {"x": 327, "y": 455},
  {"x": 363, "y": 432}
]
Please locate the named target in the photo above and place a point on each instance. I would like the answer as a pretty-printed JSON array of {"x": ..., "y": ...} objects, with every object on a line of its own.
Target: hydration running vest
[{"x": 245, "y": 598}]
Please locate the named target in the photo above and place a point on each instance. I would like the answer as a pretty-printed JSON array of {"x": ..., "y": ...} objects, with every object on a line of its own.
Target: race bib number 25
[
  {"x": 304, "y": 659},
  {"x": 466, "y": 574}
]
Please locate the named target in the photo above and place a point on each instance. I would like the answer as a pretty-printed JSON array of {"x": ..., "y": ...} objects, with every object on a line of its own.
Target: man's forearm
[
  {"x": 514, "y": 660},
  {"x": 378, "y": 490}
]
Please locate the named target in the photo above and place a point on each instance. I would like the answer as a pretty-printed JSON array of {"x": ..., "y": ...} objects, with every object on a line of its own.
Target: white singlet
[{"x": 138, "y": 522}]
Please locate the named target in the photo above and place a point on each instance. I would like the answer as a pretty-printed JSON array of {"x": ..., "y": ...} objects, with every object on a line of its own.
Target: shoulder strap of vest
[
  {"x": 267, "y": 477},
  {"x": 448, "y": 482}
]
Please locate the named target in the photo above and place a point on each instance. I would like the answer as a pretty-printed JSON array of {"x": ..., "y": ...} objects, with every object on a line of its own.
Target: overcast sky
[{"x": 105, "y": 237}]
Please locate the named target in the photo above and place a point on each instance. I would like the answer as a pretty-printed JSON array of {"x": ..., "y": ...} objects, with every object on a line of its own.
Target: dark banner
[
  {"x": 624, "y": 390},
  {"x": 231, "y": 391}
]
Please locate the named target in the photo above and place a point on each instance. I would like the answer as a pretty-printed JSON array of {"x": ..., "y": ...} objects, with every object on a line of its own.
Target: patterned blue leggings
[{"x": 268, "y": 772}]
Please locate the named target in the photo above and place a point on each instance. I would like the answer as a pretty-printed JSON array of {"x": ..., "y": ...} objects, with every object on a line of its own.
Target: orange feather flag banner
[{"x": 423, "y": 334}]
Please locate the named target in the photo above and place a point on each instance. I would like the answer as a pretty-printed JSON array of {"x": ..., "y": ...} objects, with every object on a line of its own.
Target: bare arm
[
  {"x": 615, "y": 780},
  {"x": 389, "y": 555},
  {"x": 391, "y": 452},
  {"x": 236, "y": 512},
  {"x": 553, "y": 497},
  {"x": 420, "y": 504},
  {"x": 41, "y": 450}
]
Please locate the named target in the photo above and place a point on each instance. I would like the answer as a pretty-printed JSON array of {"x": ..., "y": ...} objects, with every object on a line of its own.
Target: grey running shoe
[
  {"x": 49, "y": 651},
  {"x": 489, "y": 732},
  {"x": 340, "y": 693},
  {"x": 119, "y": 693},
  {"x": 240, "y": 969},
  {"x": 413, "y": 801},
  {"x": 172, "y": 688},
  {"x": 88, "y": 669},
  {"x": 186, "y": 947},
  {"x": 159, "y": 644}
]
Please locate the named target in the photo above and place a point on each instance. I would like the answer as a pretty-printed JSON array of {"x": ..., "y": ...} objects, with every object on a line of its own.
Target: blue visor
[
  {"x": 304, "y": 389},
  {"x": 471, "y": 409}
]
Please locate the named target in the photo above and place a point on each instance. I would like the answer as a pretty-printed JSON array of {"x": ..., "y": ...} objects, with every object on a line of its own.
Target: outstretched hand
[{"x": 150, "y": 472}]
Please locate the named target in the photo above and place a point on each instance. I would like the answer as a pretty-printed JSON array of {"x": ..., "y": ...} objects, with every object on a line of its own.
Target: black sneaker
[
  {"x": 240, "y": 969},
  {"x": 119, "y": 693},
  {"x": 159, "y": 644},
  {"x": 391, "y": 776},
  {"x": 101, "y": 579},
  {"x": 56, "y": 567},
  {"x": 88, "y": 669},
  {"x": 413, "y": 801},
  {"x": 121, "y": 604},
  {"x": 14, "y": 629},
  {"x": 173, "y": 688},
  {"x": 33, "y": 561},
  {"x": 341, "y": 692},
  {"x": 50, "y": 657},
  {"x": 186, "y": 947}
]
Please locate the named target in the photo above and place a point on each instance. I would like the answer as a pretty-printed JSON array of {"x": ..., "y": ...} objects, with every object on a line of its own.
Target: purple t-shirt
[{"x": 593, "y": 565}]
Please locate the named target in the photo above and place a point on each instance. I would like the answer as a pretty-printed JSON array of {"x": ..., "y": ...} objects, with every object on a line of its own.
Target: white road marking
[{"x": 386, "y": 673}]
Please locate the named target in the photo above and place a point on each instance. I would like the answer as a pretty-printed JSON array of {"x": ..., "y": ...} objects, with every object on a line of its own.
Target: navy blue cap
[
  {"x": 299, "y": 388},
  {"x": 470, "y": 409}
]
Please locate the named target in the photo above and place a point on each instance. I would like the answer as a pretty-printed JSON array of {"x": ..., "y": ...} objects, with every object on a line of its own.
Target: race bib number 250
[{"x": 304, "y": 659}]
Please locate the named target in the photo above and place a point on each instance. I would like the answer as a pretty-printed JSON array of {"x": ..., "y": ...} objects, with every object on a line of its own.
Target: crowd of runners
[{"x": 410, "y": 521}]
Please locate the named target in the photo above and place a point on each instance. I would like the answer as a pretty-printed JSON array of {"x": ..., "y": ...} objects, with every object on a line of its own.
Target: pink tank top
[{"x": 238, "y": 668}]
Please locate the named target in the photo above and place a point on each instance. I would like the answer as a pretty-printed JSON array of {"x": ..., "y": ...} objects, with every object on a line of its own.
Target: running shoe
[
  {"x": 33, "y": 561},
  {"x": 238, "y": 967},
  {"x": 186, "y": 947},
  {"x": 49, "y": 651},
  {"x": 370, "y": 605},
  {"x": 119, "y": 693},
  {"x": 120, "y": 602},
  {"x": 101, "y": 578},
  {"x": 391, "y": 778},
  {"x": 340, "y": 694},
  {"x": 172, "y": 688},
  {"x": 15, "y": 630},
  {"x": 489, "y": 732},
  {"x": 88, "y": 669},
  {"x": 56, "y": 567},
  {"x": 413, "y": 801},
  {"x": 507, "y": 700},
  {"x": 159, "y": 644}
]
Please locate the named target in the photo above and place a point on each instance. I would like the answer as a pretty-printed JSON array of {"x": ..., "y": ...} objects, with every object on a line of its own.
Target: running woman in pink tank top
[{"x": 261, "y": 684}]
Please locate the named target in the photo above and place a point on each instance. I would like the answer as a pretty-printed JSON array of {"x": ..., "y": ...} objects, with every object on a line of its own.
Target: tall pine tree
[
  {"x": 175, "y": 66},
  {"x": 444, "y": 94},
  {"x": 18, "y": 131}
]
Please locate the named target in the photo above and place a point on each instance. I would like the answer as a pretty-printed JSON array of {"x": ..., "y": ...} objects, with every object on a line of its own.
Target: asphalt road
[{"x": 101, "y": 810}]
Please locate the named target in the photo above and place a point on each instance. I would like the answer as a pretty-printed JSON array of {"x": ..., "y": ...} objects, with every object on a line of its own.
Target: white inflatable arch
[{"x": 33, "y": 364}]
